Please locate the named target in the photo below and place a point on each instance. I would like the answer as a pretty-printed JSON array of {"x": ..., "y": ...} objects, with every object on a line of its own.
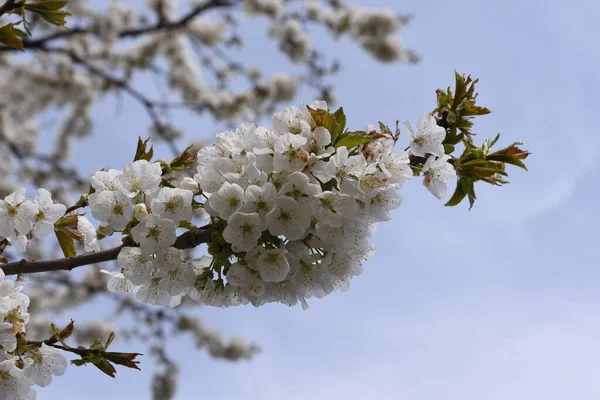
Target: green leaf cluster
[
  {"x": 49, "y": 10},
  {"x": 455, "y": 111},
  {"x": 105, "y": 360}
]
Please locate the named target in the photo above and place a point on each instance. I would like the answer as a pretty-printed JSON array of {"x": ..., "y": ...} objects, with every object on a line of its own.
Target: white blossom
[
  {"x": 154, "y": 234},
  {"x": 13, "y": 382},
  {"x": 16, "y": 214},
  {"x": 243, "y": 230},
  {"x": 394, "y": 166},
  {"x": 179, "y": 280},
  {"x": 140, "y": 211},
  {"x": 43, "y": 363},
  {"x": 227, "y": 200},
  {"x": 90, "y": 236},
  {"x": 48, "y": 213},
  {"x": 111, "y": 207},
  {"x": 106, "y": 180},
  {"x": 381, "y": 201},
  {"x": 273, "y": 265},
  {"x": 288, "y": 219},
  {"x": 174, "y": 204},
  {"x": 428, "y": 138},
  {"x": 188, "y": 183},
  {"x": 135, "y": 266},
  {"x": 289, "y": 153},
  {"x": 299, "y": 188},
  {"x": 260, "y": 200},
  {"x": 169, "y": 259},
  {"x": 438, "y": 172},
  {"x": 238, "y": 275},
  {"x": 333, "y": 208},
  {"x": 140, "y": 176},
  {"x": 117, "y": 283}
]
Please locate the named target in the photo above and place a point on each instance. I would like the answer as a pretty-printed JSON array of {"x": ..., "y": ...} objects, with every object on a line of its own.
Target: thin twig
[{"x": 129, "y": 33}]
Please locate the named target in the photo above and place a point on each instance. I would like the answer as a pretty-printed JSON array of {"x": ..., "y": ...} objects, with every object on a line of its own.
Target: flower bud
[
  {"x": 140, "y": 211},
  {"x": 105, "y": 230},
  {"x": 190, "y": 184}
]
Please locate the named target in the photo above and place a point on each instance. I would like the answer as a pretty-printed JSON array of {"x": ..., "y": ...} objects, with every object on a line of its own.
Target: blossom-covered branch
[
  {"x": 291, "y": 209},
  {"x": 187, "y": 240}
]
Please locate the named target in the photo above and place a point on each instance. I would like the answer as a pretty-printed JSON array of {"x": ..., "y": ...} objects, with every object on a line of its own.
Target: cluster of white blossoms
[
  {"x": 18, "y": 373},
  {"x": 293, "y": 210},
  {"x": 21, "y": 217}
]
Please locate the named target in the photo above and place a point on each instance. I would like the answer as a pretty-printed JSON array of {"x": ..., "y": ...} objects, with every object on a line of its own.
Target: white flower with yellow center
[
  {"x": 140, "y": 177},
  {"x": 273, "y": 265},
  {"x": 288, "y": 219},
  {"x": 134, "y": 265},
  {"x": 16, "y": 214},
  {"x": 428, "y": 138},
  {"x": 13, "y": 382},
  {"x": 438, "y": 172},
  {"x": 227, "y": 200},
  {"x": 42, "y": 363},
  {"x": 48, "y": 213},
  {"x": 242, "y": 231},
  {"x": 154, "y": 234},
  {"x": 174, "y": 204},
  {"x": 113, "y": 208}
]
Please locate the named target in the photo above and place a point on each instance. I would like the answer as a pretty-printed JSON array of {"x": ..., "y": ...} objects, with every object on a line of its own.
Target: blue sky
[{"x": 501, "y": 302}]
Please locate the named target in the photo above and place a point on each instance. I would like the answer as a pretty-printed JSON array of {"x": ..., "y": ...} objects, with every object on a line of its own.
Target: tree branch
[
  {"x": 186, "y": 240},
  {"x": 10, "y": 5},
  {"x": 130, "y": 33}
]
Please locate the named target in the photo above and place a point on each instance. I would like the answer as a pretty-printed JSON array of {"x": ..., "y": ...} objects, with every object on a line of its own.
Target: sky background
[{"x": 501, "y": 302}]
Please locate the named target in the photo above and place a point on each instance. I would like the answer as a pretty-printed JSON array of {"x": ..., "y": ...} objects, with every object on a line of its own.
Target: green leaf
[
  {"x": 353, "y": 139},
  {"x": 66, "y": 243},
  {"x": 50, "y": 10},
  {"x": 184, "y": 160},
  {"x": 464, "y": 187},
  {"x": 332, "y": 184},
  {"x": 475, "y": 110},
  {"x": 140, "y": 151},
  {"x": 79, "y": 363},
  {"x": 125, "y": 359},
  {"x": 508, "y": 160},
  {"x": 187, "y": 225},
  {"x": 11, "y": 36},
  {"x": 106, "y": 367},
  {"x": 325, "y": 119},
  {"x": 457, "y": 197},
  {"x": 340, "y": 119},
  {"x": 460, "y": 88},
  {"x": 479, "y": 161},
  {"x": 109, "y": 340},
  {"x": 67, "y": 331},
  {"x": 97, "y": 345},
  {"x": 384, "y": 129}
]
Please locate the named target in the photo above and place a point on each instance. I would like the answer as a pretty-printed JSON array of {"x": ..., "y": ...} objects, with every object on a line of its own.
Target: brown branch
[
  {"x": 130, "y": 33},
  {"x": 10, "y": 5},
  {"x": 186, "y": 240}
]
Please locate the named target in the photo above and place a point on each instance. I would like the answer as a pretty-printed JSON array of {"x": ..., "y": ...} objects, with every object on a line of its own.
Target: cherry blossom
[
  {"x": 43, "y": 363},
  {"x": 428, "y": 138},
  {"x": 438, "y": 172}
]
